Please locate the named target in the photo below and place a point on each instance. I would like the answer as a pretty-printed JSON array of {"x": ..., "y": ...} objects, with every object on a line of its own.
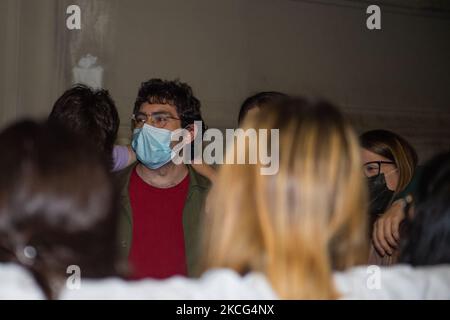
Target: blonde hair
[{"x": 299, "y": 225}]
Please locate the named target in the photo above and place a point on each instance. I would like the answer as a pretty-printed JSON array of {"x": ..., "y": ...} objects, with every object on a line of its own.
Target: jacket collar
[{"x": 195, "y": 180}]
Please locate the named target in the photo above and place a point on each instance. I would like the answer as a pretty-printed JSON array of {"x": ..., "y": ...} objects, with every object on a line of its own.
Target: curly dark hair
[
  {"x": 175, "y": 93},
  {"x": 89, "y": 113}
]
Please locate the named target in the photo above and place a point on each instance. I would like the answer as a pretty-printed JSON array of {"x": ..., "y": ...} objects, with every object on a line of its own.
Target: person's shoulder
[
  {"x": 215, "y": 284},
  {"x": 394, "y": 282},
  {"x": 18, "y": 284},
  {"x": 222, "y": 284},
  {"x": 412, "y": 186}
]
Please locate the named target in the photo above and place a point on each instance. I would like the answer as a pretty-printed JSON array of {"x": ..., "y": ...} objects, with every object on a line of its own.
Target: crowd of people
[{"x": 139, "y": 226}]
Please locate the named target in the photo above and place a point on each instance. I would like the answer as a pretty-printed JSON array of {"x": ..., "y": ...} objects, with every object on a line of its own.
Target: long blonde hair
[{"x": 299, "y": 225}]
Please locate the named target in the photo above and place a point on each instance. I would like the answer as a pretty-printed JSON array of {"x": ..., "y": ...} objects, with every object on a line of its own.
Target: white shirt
[
  {"x": 397, "y": 282},
  {"x": 17, "y": 284}
]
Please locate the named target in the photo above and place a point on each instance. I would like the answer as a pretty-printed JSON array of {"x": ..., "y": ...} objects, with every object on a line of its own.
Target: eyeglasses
[
  {"x": 373, "y": 168},
  {"x": 156, "y": 119}
]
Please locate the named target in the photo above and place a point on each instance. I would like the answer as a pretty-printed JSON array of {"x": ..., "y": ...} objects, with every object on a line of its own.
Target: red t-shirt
[{"x": 157, "y": 248}]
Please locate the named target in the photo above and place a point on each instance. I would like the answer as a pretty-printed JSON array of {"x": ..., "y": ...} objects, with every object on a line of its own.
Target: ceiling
[{"x": 425, "y": 7}]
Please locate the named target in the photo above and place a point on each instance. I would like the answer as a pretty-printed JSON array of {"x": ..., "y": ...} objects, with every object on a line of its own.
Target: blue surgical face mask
[{"x": 152, "y": 146}]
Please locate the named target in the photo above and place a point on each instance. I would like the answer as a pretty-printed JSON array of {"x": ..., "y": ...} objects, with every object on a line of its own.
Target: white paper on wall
[{"x": 87, "y": 72}]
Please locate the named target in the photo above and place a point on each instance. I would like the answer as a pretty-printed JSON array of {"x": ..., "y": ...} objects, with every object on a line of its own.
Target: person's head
[
  {"x": 253, "y": 103},
  {"x": 427, "y": 235},
  {"x": 90, "y": 113},
  {"x": 162, "y": 107},
  {"x": 57, "y": 205},
  {"x": 300, "y": 224},
  {"x": 384, "y": 152}
]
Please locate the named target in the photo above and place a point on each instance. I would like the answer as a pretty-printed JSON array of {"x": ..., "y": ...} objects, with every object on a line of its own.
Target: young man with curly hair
[{"x": 161, "y": 202}]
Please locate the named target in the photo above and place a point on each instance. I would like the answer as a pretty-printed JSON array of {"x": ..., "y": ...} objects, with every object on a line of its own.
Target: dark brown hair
[
  {"x": 90, "y": 113},
  {"x": 258, "y": 100},
  {"x": 395, "y": 148},
  {"x": 427, "y": 232},
  {"x": 56, "y": 197}
]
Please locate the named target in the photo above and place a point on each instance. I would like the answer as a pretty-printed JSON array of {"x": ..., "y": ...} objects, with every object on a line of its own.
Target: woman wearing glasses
[{"x": 389, "y": 165}]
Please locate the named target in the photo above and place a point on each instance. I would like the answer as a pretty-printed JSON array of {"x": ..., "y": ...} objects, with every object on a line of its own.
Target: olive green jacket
[{"x": 192, "y": 215}]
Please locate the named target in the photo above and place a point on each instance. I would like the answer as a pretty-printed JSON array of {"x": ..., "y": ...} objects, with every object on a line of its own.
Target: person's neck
[{"x": 167, "y": 176}]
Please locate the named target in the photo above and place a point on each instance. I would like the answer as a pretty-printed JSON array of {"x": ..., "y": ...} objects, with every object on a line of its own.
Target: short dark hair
[
  {"x": 427, "y": 234},
  {"x": 176, "y": 93},
  {"x": 90, "y": 113},
  {"x": 56, "y": 196},
  {"x": 258, "y": 100}
]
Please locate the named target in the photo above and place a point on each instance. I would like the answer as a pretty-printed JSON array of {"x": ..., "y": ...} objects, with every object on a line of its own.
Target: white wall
[{"x": 27, "y": 55}]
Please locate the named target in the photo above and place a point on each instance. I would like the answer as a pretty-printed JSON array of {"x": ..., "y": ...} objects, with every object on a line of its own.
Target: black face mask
[{"x": 379, "y": 195}]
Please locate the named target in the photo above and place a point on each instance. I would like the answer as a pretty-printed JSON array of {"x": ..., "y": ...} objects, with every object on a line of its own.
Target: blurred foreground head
[
  {"x": 253, "y": 103},
  {"x": 56, "y": 205},
  {"x": 427, "y": 238},
  {"x": 89, "y": 113},
  {"x": 299, "y": 225},
  {"x": 394, "y": 148}
]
